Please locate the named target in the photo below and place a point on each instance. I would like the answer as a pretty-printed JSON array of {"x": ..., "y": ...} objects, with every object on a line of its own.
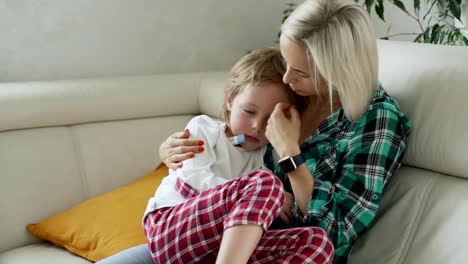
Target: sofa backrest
[
  {"x": 431, "y": 84},
  {"x": 62, "y": 142}
]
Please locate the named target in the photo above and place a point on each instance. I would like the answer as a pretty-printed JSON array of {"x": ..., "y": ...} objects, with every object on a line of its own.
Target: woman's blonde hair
[
  {"x": 341, "y": 46},
  {"x": 258, "y": 67}
]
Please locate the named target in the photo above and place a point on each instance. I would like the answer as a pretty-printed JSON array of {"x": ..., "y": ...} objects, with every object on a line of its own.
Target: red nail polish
[
  {"x": 180, "y": 165},
  {"x": 201, "y": 149},
  {"x": 200, "y": 143},
  {"x": 191, "y": 155},
  {"x": 292, "y": 106}
]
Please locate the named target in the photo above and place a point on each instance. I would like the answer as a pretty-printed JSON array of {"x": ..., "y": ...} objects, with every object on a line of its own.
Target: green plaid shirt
[{"x": 351, "y": 162}]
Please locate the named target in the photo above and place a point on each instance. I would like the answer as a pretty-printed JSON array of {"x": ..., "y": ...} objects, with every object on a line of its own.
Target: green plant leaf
[
  {"x": 439, "y": 2},
  {"x": 443, "y": 37},
  {"x": 462, "y": 38},
  {"x": 369, "y": 4},
  {"x": 427, "y": 35},
  {"x": 465, "y": 40},
  {"x": 399, "y": 4},
  {"x": 379, "y": 9},
  {"x": 434, "y": 33},
  {"x": 418, "y": 38},
  {"x": 417, "y": 5},
  {"x": 450, "y": 38},
  {"x": 438, "y": 34},
  {"x": 454, "y": 7}
]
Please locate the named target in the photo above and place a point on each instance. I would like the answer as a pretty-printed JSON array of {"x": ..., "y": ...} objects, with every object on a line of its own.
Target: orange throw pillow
[{"x": 104, "y": 225}]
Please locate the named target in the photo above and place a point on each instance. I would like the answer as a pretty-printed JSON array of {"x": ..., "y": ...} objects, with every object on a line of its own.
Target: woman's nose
[{"x": 288, "y": 77}]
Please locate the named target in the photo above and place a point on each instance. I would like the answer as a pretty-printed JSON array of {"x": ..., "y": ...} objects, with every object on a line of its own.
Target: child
[
  {"x": 194, "y": 212},
  {"x": 253, "y": 90}
]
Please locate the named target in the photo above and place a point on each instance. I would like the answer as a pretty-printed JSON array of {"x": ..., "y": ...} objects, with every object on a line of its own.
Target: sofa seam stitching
[
  {"x": 80, "y": 162},
  {"x": 201, "y": 80},
  {"x": 417, "y": 220}
]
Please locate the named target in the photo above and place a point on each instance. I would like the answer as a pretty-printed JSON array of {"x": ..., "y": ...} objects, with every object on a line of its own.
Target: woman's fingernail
[
  {"x": 200, "y": 143},
  {"x": 191, "y": 155},
  {"x": 292, "y": 106},
  {"x": 201, "y": 149},
  {"x": 180, "y": 165}
]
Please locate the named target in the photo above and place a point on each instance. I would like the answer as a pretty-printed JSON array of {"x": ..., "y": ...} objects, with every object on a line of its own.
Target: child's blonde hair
[
  {"x": 258, "y": 67},
  {"x": 339, "y": 37}
]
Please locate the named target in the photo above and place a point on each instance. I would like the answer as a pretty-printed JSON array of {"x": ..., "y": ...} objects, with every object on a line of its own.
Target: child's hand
[{"x": 285, "y": 213}]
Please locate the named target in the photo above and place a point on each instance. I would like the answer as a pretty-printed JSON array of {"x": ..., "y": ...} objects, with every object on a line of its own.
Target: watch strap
[{"x": 290, "y": 163}]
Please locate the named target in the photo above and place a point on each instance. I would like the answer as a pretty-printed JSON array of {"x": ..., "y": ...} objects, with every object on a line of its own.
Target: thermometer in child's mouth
[{"x": 237, "y": 140}]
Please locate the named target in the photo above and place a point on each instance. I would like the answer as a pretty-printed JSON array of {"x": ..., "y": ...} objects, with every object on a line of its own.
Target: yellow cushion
[{"x": 104, "y": 225}]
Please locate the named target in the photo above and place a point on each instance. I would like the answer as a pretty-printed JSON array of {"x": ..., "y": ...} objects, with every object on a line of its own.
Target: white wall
[{"x": 62, "y": 39}]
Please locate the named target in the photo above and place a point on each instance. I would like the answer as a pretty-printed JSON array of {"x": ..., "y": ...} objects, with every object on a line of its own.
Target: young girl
[{"x": 203, "y": 212}]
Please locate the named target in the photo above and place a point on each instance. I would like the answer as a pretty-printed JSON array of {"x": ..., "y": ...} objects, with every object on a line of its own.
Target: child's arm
[{"x": 196, "y": 174}]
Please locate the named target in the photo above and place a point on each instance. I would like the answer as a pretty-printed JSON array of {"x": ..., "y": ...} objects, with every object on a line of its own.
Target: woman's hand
[
  {"x": 177, "y": 148},
  {"x": 283, "y": 130},
  {"x": 285, "y": 213}
]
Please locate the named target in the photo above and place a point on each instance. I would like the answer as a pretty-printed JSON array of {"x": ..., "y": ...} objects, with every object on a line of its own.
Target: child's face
[{"x": 250, "y": 110}]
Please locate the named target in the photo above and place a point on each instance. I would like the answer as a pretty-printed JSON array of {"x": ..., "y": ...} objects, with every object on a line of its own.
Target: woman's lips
[
  {"x": 295, "y": 89},
  {"x": 252, "y": 139}
]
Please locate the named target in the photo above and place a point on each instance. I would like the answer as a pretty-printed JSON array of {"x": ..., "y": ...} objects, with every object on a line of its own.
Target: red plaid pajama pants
[{"x": 191, "y": 232}]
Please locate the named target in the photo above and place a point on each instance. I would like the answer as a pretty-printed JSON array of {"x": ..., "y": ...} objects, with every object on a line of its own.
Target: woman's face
[{"x": 298, "y": 74}]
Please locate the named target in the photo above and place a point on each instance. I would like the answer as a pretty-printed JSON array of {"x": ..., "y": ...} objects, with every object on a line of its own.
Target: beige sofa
[{"x": 62, "y": 142}]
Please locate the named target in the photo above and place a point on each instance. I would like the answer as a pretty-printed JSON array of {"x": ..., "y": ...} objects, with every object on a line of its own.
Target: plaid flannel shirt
[{"x": 351, "y": 162}]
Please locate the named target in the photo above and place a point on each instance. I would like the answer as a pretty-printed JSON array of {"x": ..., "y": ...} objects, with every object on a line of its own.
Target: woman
[
  {"x": 331, "y": 55},
  {"x": 336, "y": 156}
]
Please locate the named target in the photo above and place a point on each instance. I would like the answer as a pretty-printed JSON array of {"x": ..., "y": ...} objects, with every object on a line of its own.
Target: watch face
[{"x": 287, "y": 165}]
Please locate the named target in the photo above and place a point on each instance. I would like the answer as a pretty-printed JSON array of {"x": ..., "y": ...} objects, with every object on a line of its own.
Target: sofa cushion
[
  {"x": 104, "y": 225},
  {"x": 422, "y": 219},
  {"x": 40, "y": 253},
  {"x": 51, "y": 169}
]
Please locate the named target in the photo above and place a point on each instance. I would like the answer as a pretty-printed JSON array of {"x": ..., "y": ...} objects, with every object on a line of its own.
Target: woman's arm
[
  {"x": 178, "y": 147},
  {"x": 283, "y": 132},
  {"x": 346, "y": 205}
]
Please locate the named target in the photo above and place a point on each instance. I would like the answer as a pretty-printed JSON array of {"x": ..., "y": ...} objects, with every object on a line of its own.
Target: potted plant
[{"x": 441, "y": 22}]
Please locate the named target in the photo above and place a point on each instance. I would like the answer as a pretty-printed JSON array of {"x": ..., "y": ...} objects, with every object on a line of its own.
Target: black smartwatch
[{"x": 289, "y": 164}]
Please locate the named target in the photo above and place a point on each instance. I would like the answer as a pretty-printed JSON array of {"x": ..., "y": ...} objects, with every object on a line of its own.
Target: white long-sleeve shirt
[{"x": 219, "y": 163}]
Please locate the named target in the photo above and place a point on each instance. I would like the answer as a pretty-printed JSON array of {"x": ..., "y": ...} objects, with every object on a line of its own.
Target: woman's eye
[
  {"x": 249, "y": 111},
  {"x": 303, "y": 75}
]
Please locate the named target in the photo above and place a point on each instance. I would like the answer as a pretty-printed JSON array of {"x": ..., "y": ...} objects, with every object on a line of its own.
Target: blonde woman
[{"x": 337, "y": 155}]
